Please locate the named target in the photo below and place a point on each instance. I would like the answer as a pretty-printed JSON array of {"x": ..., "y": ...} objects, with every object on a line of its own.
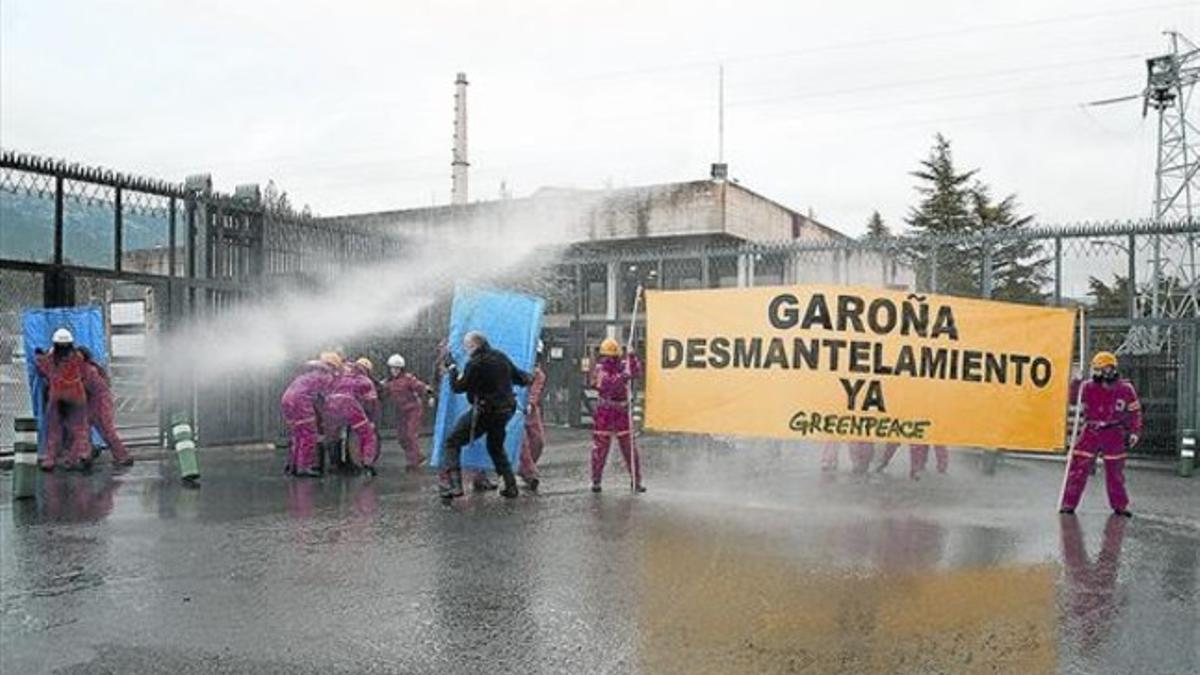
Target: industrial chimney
[{"x": 458, "y": 188}]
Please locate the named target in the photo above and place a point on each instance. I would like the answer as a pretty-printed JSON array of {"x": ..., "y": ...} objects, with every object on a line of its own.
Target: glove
[
  {"x": 1133, "y": 440},
  {"x": 448, "y": 363}
]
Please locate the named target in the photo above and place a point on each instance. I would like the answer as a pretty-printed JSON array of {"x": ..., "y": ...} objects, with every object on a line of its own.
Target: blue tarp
[
  {"x": 512, "y": 323},
  {"x": 38, "y": 326}
]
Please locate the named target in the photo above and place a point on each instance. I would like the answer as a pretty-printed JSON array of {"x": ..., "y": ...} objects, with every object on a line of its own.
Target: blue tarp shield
[
  {"x": 37, "y": 326},
  {"x": 512, "y": 323}
]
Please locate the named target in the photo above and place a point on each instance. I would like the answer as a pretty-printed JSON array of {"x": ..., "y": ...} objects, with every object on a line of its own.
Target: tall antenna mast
[
  {"x": 721, "y": 114},
  {"x": 458, "y": 185},
  {"x": 720, "y": 170},
  {"x": 1173, "y": 289}
]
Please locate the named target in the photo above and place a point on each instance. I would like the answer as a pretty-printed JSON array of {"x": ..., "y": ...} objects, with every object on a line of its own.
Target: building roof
[{"x": 664, "y": 210}]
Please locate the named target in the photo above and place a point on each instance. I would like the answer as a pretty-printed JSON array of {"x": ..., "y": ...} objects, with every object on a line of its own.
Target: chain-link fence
[{"x": 76, "y": 235}]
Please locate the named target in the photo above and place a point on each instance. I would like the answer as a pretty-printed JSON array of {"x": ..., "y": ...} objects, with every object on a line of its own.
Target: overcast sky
[{"x": 349, "y": 105}]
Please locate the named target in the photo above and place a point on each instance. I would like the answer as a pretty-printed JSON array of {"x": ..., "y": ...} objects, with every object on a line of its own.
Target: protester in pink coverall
[
  {"x": 535, "y": 431},
  {"x": 860, "y": 453},
  {"x": 1112, "y": 422},
  {"x": 918, "y": 457},
  {"x": 829, "y": 456},
  {"x": 66, "y": 407},
  {"x": 353, "y": 402},
  {"x": 410, "y": 396},
  {"x": 101, "y": 413},
  {"x": 611, "y": 378},
  {"x": 300, "y": 405}
]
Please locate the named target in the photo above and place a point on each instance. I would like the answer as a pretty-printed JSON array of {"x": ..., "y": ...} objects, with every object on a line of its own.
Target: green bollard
[
  {"x": 1187, "y": 453},
  {"x": 185, "y": 448},
  {"x": 25, "y": 458}
]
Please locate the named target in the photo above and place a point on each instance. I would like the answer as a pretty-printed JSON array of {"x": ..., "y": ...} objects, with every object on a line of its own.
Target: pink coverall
[
  {"x": 829, "y": 456},
  {"x": 1091, "y": 595},
  {"x": 66, "y": 407},
  {"x": 917, "y": 458},
  {"x": 611, "y": 378},
  {"x": 1111, "y": 413},
  {"x": 353, "y": 402},
  {"x": 535, "y": 430},
  {"x": 408, "y": 394},
  {"x": 920, "y": 456},
  {"x": 100, "y": 409},
  {"x": 299, "y": 405},
  {"x": 861, "y": 455}
]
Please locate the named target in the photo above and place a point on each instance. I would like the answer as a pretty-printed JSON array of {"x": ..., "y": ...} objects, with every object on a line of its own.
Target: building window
[
  {"x": 595, "y": 288},
  {"x": 561, "y": 296}
]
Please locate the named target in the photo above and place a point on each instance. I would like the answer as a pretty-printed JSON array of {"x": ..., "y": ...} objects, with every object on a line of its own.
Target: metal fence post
[
  {"x": 933, "y": 268},
  {"x": 985, "y": 289},
  {"x": 1132, "y": 272},
  {"x": 118, "y": 228},
  {"x": 1058, "y": 270},
  {"x": 58, "y": 220},
  {"x": 171, "y": 243}
]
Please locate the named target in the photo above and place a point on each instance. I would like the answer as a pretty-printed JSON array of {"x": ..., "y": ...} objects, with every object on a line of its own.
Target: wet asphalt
[{"x": 740, "y": 559}]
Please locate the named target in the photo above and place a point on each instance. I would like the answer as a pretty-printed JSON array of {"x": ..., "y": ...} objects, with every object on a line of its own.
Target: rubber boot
[
  {"x": 453, "y": 488},
  {"x": 510, "y": 490}
]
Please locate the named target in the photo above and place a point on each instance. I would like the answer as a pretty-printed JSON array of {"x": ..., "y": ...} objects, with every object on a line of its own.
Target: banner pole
[
  {"x": 634, "y": 478},
  {"x": 1062, "y": 491}
]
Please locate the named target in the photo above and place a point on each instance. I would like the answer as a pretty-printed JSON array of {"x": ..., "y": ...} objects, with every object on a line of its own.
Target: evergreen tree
[
  {"x": 957, "y": 204},
  {"x": 1018, "y": 265},
  {"x": 876, "y": 228},
  {"x": 944, "y": 211},
  {"x": 1111, "y": 301}
]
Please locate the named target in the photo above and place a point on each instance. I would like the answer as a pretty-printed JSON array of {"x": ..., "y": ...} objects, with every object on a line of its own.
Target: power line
[{"x": 858, "y": 44}]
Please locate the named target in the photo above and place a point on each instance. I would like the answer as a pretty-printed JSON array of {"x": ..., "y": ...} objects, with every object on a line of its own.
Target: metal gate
[
  {"x": 1166, "y": 379},
  {"x": 585, "y": 337}
]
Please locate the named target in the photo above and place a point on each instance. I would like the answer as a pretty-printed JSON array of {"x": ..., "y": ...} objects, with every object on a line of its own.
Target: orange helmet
[
  {"x": 331, "y": 358},
  {"x": 610, "y": 347},
  {"x": 1104, "y": 360},
  {"x": 365, "y": 363}
]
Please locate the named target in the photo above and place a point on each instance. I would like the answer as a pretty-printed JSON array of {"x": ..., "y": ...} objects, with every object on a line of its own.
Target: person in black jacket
[{"x": 487, "y": 380}]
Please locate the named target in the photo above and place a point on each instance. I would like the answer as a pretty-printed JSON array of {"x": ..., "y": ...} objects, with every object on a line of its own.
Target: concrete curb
[{"x": 1167, "y": 465}]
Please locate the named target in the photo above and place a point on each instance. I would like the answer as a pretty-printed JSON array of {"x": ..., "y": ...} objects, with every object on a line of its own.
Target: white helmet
[
  {"x": 62, "y": 336},
  {"x": 395, "y": 361}
]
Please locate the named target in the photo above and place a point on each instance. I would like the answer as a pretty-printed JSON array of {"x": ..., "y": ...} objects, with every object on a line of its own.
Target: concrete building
[{"x": 670, "y": 236}]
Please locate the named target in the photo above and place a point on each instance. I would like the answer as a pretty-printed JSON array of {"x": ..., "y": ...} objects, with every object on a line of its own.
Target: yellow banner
[{"x": 858, "y": 364}]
